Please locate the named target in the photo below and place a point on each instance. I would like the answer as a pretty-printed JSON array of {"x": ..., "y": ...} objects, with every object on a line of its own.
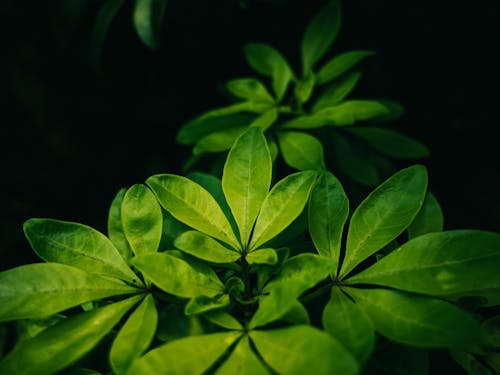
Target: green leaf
[
  {"x": 61, "y": 345},
  {"x": 262, "y": 256},
  {"x": 250, "y": 89},
  {"x": 142, "y": 219},
  {"x": 340, "y": 64},
  {"x": 336, "y": 92},
  {"x": 453, "y": 262},
  {"x": 328, "y": 211},
  {"x": 470, "y": 363},
  {"x": 297, "y": 314},
  {"x": 304, "y": 88},
  {"x": 281, "y": 206},
  {"x": 429, "y": 218},
  {"x": 202, "y": 304},
  {"x": 491, "y": 327},
  {"x": 243, "y": 361},
  {"x": 301, "y": 151},
  {"x": 204, "y": 247},
  {"x": 148, "y": 17},
  {"x": 384, "y": 214},
  {"x": 190, "y": 355},
  {"x": 417, "y": 320},
  {"x": 174, "y": 324},
  {"x": 223, "y": 319},
  {"x": 176, "y": 276},
  {"x": 192, "y": 205},
  {"x": 77, "y": 245},
  {"x": 218, "y": 141},
  {"x": 269, "y": 62},
  {"x": 351, "y": 111},
  {"x": 390, "y": 142},
  {"x": 266, "y": 119},
  {"x": 42, "y": 289},
  {"x": 320, "y": 34},
  {"x": 246, "y": 179},
  {"x": 348, "y": 323},
  {"x": 302, "y": 349},
  {"x": 135, "y": 336},
  {"x": 115, "y": 226}
]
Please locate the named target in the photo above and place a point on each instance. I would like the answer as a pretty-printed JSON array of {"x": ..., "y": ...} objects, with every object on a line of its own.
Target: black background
[{"x": 71, "y": 137}]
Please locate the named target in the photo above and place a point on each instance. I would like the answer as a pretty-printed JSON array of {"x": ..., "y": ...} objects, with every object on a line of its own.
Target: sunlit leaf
[
  {"x": 250, "y": 89},
  {"x": 218, "y": 141},
  {"x": 243, "y": 361},
  {"x": 202, "y": 304},
  {"x": 204, "y": 247},
  {"x": 262, "y": 256},
  {"x": 301, "y": 151}
]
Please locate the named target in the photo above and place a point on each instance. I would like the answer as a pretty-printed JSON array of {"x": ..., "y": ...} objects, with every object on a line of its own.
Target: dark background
[{"x": 70, "y": 138}]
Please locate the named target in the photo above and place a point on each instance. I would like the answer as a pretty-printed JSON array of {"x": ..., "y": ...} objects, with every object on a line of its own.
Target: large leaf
[
  {"x": 320, "y": 34},
  {"x": 190, "y": 355},
  {"x": 62, "y": 344},
  {"x": 148, "y": 18},
  {"x": 301, "y": 151},
  {"x": 429, "y": 218},
  {"x": 250, "y": 89},
  {"x": 134, "y": 336},
  {"x": 336, "y": 92},
  {"x": 176, "y": 276},
  {"x": 202, "y": 304},
  {"x": 454, "y": 262},
  {"x": 142, "y": 219},
  {"x": 246, "y": 179},
  {"x": 302, "y": 349},
  {"x": 281, "y": 206},
  {"x": 223, "y": 319},
  {"x": 115, "y": 226},
  {"x": 204, "y": 247},
  {"x": 417, "y": 320},
  {"x": 384, "y": 214},
  {"x": 218, "y": 141},
  {"x": 328, "y": 211},
  {"x": 42, "y": 289},
  {"x": 341, "y": 64},
  {"x": 348, "y": 323},
  {"x": 77, "y": 245},
  {"x": 191, "y": 204},
  {"x": 243, "y": 361}
]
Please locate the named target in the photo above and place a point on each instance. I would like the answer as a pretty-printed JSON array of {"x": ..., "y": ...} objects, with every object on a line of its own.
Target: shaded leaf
[
  {"x": 429, "y": 218},
  {"x": 202, "y": 304},
  {"x": 301, "y": 151},
  {"x": 243, "y": 361},
  {"x": 340, "y": 64},
  {"x": 250, "y": 89},
  {"x": 262, "y": 256},
  {"x": 115, "y": 226},
  {"x": 148, "y": 17},
  {"x": 218, "y": 141},
  {"x": 336, "y": 92}
]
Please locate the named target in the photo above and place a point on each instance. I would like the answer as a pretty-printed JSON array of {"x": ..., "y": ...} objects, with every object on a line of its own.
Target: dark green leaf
[
  {"x": 115, "y": 226},
  {"x": 243, "y": 361},
  {"x": 174, "y": 324},
  {"x": 491, "y": 327},
  {"x": 297, "y": 314},
  {"x": 429, "y": 218},
  {"x": 148, "y": 17},
  {"x": 202, "y": 304},
  {"x": 470, "y": 363},
  {"x": 341, "y": 64},
  {"x": 218, "y": 141},
  {"x": 336, "y": 92},
  {"x": 266, "y": 119},
  {"x": 304, "y": 88},
  {"x": 250, "y": 89},
  {"x": 395, "y": 359},
  {"x": 262, "y": 256},
  {"x": 204, "y": 247},
  {"x": 301, "y": 151},
  {"x": 223, "y": 319}
]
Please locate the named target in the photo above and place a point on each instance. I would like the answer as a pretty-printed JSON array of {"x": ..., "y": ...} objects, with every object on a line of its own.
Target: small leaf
[
  {"x": 192, "y": 205},
  {"x": 301, "y": 150},
  {"x": 223, "y": 319},
  {"x": 302, "y": 349},
  {"x": 297, "y": 314},
  {"x": 135, "y": 336},
  {"x": 262, "y": 256},
  {"x": 218, "y": 141},
  {"x": 340, "y": 64},
  {"x": 320, "y": 34},
  {"x": 246, "y": 179},
  {"x": 348, "y": 323},
  {"x": 42, "y": 289},
  {"x": 304, "y": 88},
  {"x": 351, "y": 111},
  {"x": 266, "y": 119},
  {"x": 336, "y": 92},
  {"x": 249, "y": 89},
  {"x": 76, "y": 245},
  {"x": 281, "y": 206},
  {"x": 176, "y": 276},
  {"x": 417, "y": 320},
  {"x": 115, "y": 226},
  {"x": 243, "y": 361},
  {"x": 202, "y": 304},
  {"x": 61, "y": 345},
  {"x": 189, "y": 355},
  {"x": 142, "y": 219},
  {"x": 384, "y": 215},
  {"x": 390, "y": 142},
  {"x": 148, "y": 17},
  {"x": 429, "y": 218},
  {"x": 204, "y": 247}
]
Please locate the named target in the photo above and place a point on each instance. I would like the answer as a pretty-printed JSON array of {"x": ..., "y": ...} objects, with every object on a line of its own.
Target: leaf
[
  {"x": 246, "y": 179},
  {"x": 76, "y": 245},
  {"x": 61, "y": 345},
  {"x": 148, "y": 17},
  {"x": 42, "y": 289},
  {"x": 250, "y": 89},
  {"x": 266, "y": 119},
  {"x": 453, "y": 262},
  {"x": 384, "y": 214},
  {"x": 192, "y": 205},
  {"x": 320, "y": 34},
  {"x": 135, "y": 336},
  {"x": 174, "y": 324},
  {"x": 328, "y": 210},
  {"x": 336, "y": 92},
  {"x": 115, "y": 226},
  {"x": 417, "y": 320},
  {"x": 269, "y": 62},
  {"x": 189, "y": 355},
  {"x": 302, "y": 349},
  {"x": 470, "y": 363},
  {"x": 297, "y": 314},
  {"x": 394, "y": 359},
  {"x": 204, "y": 247},
  {"x": 429, "y": 218},
  {"x": 176, "y": 276},
  {"x": 223, "y": 319},
  {"x": 304, "y": 88},
  {"x": 218, "y": 141},
  {"x": 301, "y": 150},
  {"x": 348, "y": 323},
  {"x": 491, "y": 328},
  {"x": 340, "y": 64},
  {"x": 281, "y": 206},
  {"x": 351, "y": 111},
  {"x": 243, "y": 361},
  {"x": 201, "y": 304},
  {"x": 142, "y": 219},
  {"x": 262, "y": 256},
  {"x": 390, "y": 142}
]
